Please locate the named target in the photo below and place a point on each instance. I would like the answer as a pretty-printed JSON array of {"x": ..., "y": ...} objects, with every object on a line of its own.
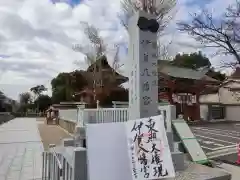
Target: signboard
[
  {"x": 184, "y": 98},
  {"x": 148, "y": 149}
]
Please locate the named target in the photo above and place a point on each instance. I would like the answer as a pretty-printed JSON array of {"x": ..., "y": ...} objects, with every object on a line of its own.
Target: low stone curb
[{"x": 196, "y": 123}]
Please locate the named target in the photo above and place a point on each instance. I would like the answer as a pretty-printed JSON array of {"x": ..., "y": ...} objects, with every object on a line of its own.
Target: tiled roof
[
  {"x": 167, "y": 68},
  {"x": 180, "y": 72},
  {"x": 210, "y": 90},
  {"x": 106, "y": 71},
  {"x": 208, "y": 78}
]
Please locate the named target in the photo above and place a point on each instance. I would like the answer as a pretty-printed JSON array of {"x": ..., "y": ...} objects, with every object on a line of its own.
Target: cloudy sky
[{"x": 36, "y": 36}]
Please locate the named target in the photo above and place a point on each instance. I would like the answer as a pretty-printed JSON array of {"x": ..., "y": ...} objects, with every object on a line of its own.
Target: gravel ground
[{"x": 51, "y": 134}]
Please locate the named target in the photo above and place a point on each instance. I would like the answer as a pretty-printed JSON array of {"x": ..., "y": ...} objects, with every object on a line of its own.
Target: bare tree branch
[
  {"x": 161, "y": 9},
  {"x": 95, "y": 51},
  {"x": 163, "y": 51},
  {"x": 224, "y": 36},
  {"x": 116, "y": 61},
  {"x": 231, "y": 65}
]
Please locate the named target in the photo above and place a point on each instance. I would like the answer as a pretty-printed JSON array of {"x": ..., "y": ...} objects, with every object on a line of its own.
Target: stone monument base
[
  {"x": 185, "y": 171},
  {"x": 193, "y": 171}
]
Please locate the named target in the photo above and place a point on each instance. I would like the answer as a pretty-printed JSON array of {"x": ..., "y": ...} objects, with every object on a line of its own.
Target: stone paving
[{"x": 20, "y": 150}]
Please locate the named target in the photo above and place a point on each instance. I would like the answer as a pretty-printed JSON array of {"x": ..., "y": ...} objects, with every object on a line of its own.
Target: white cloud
[
  {"x": 215, "y": 6},
  {"x": 182, "y": 42},
  {"x": 38, "y": 36}
]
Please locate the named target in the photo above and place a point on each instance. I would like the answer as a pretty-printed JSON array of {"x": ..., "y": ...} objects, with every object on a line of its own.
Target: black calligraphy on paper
[
  {"x": 154, "y": 148},
  {"x": 159, "y": 171},
  {"x": 151, "y": 130},
  {"x": 148, "y": 149},
  {"x": 142, "y": 159},
  {"x": 145, "y": 72},
  {"x": 146, "y": 86},
  {"x": 137, "y": 129},
  {"x": 156, "y": 160},
  {"x": 133, "y": 159},
  {"x": 145, "y": 170},
  {"x": 146, "y": 100},
  {"x": 135, "y": 170}
]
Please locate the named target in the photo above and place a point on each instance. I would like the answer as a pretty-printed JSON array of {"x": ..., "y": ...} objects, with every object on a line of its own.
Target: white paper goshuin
[{"x": 148, "y": 148}]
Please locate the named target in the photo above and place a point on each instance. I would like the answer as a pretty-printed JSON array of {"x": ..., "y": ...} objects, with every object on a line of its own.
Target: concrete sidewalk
[
  {"x": 22, "y": 141},
  {"x": 233, "y": 170},
  {"x": 20, "y": 150}
]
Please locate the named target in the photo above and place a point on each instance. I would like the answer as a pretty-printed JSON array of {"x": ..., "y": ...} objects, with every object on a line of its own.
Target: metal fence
[{"x": 55, "y": 166}]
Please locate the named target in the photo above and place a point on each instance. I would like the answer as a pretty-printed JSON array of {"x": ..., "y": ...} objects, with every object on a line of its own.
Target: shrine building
[
  {"x": 177, "y": 86},
  {"x": 182, "y": 87},
  {"x": 103, "y": 82}
]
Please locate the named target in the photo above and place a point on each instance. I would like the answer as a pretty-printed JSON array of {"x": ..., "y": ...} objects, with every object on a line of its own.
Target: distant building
[
  {"x": 102, "y": 82},
  {"x": 178, "y": 86},
  {"x": 227, "y": 95},
  {"x": 182, "y": 87}
]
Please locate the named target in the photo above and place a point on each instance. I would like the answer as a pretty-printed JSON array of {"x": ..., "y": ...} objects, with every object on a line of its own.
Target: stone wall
[
  {"x": 67, "y": 125},
  {"x": 70, "y": 114},
  {"x": 233, "y": 112}
]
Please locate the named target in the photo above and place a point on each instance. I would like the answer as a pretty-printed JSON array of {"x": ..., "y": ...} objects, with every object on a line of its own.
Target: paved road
[
  {"x": 219, "y": 137},
  {"x": 20, "y": 150}
]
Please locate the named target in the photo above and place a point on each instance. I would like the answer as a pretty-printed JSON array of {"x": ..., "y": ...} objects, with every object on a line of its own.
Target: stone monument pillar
[{"x": 143, "y": 73}]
